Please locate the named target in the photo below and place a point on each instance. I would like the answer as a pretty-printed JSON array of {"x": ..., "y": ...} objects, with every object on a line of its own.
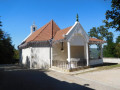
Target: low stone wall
[
  {"x": 69, "y": 70},
  {"x": 95, "y": 62},
  {"x": 111, "y": 60}
]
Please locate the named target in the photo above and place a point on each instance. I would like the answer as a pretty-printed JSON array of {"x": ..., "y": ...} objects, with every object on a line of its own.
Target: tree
[
  {"x": 6, "y": 47},
  {"x": 113, "y": 16},
  {"x": 117, "y": 47},
  {"x": 16, "y": 54},
  {"x": 109, "y": 50},
  {"x": 118, "y": 40},
  {"x": 103, "y": 34}
]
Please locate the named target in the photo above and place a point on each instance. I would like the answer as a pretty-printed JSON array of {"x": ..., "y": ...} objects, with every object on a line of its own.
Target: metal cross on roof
[{"x": 77, "y": 18}]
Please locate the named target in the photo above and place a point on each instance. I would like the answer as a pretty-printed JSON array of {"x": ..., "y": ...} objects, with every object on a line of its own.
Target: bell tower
[{"x": 33, "y": 28}]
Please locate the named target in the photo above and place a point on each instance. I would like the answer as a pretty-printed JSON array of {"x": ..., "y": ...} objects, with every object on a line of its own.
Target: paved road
[
  {"x": 88, "y": 82},
  {"x": 15, "y": 78},
  {"x": 109, "y": 77}
]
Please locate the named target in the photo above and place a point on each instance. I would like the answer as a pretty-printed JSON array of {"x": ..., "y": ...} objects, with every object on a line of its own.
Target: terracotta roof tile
[
  {"x": 60, "y": 34},
  {"x": 44, "y": 33},
  {"x": 96, "y": 40}
]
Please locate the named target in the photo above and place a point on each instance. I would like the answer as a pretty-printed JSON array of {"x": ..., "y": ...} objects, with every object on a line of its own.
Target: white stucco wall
[
  {"x": 26, "y": 56},
  {"x": 111, "y": 60},
  {"x": 77, "y": 52},
  {"x": 78, "y": 37},
  {"x": 95, "y": 62},
  {"x": 77, "y": 29},
  {"x": 40, "y": 57},
  {"x": 36, "y": 57},
  {"x": 58, "y": 54},
  {"x": 77, "y": 40}
]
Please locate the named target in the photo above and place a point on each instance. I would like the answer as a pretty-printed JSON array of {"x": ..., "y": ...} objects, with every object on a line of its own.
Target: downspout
[{"x": 51, "y": 46}]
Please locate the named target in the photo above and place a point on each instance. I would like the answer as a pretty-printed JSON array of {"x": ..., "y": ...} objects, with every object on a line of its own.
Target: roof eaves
[{"x": 70, "y": 29}]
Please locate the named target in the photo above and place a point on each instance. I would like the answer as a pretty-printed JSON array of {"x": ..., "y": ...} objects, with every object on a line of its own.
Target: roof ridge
[
  {"x": 52, "y": 28},
  {"x": 41, "y": 31},
  {"x": 53, "y": 22},
  {"x": 45, "y": 32}
]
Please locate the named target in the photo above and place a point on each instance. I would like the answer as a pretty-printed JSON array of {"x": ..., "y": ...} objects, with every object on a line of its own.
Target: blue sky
[{"x": 18, "y": 15}]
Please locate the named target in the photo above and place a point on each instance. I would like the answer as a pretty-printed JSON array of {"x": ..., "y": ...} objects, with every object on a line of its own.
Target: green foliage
[
  {"x": 118, "y": 39},
  {"x": 16, "y": 54},
  {"x": 117, "y": 48},
  {"x": 94, "y": 53},
  {"x": 112, "y": 49},
  {"x": 6, "y": 48},
  {"x": 112, "y": 21},
  {"x": 109, "y": 50},
  {"x": 101, "y": 33},
  {"x": 113, "y": 16}
]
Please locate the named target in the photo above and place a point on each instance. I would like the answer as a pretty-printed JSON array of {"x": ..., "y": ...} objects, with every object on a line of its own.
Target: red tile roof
[
  {"x": 60, "y": 34},
  {"x": 96, "y": 40},
  {"x": 44, "y": 33}
]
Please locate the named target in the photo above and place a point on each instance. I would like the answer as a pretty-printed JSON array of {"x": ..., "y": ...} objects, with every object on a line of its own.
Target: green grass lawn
[
  {"x": 105, "y": 66},
  {"x": 108, "y": 67}
]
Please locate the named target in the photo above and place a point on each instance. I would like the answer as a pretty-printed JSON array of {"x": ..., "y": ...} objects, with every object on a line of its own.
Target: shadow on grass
[
  {"x": 34, "y": 80},
  {"x": 104, "y": 64}
]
